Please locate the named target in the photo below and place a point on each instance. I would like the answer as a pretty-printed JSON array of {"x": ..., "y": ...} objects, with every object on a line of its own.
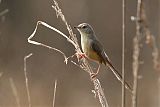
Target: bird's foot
[
  {"x": 93, "y": 75},
  {"x": 81, "y": 55}
]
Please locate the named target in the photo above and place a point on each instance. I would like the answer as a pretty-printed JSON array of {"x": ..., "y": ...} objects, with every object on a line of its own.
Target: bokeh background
[{"x": 44, "y": 66}]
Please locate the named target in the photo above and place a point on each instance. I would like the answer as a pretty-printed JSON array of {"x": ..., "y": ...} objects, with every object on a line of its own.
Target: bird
[{"x": 93, "y": 50}]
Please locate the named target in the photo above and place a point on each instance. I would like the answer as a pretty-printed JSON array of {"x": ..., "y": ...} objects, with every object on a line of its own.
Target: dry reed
[
  {"x": 142, "y": 30},
  {"x": 83, "y": 63},
  {"x": 54, "y": 93},
  {"x": 15, "y": 93},
  {"x": 123, "y": 49},
  {"x": 26, "y": 79}
]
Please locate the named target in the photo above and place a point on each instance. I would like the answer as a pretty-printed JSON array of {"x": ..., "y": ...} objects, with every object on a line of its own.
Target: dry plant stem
[
  {"x": 155, "y": 54},
  {"x": 4, "y": 12},
  {"x": 49, "y": 47},
  {"x": 135, "y": 70},
  {"x": 123, "y": 54},
  {"x": 26, "y": 79},
  {"x": 150, "y": 39},
  {"x": 73, "y": 40},
  {"x": 15, "y": 93},
  {"x": 85, "y": 66},
  {"x": 54, "y": 93},
  {"x": 99, "y": 92},
  {"x": 142, "y": 29},
  {"x": 159, "y": 91},
  {"x": 84, "y": 63},
  {"x": 136, "y": 52}
]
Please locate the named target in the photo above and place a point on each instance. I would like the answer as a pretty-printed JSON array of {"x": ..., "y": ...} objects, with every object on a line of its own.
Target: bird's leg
[{"x": 93, "y": 75}]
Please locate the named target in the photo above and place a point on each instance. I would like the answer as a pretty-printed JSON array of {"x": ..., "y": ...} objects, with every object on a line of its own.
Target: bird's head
[{"x": 84, "y": 28}]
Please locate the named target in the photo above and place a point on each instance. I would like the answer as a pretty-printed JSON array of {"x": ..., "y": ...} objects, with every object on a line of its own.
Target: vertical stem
[
  {"x": 54, "y": 94},
  {"x": 135, "y": 70},
  {"x": 26, "y": 80},
  {"x": 159, "y": 46},
  {"x": 159, "y": 91},
  {"x": 136, "y": 52},
  {"x": 15, "y": 92},
  {"x": 123, "y": 47},
  {"x": 85, "y": 65}
]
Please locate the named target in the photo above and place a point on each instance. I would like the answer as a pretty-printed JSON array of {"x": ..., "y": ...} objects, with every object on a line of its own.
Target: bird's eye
[{"x": 84, "y": 27}]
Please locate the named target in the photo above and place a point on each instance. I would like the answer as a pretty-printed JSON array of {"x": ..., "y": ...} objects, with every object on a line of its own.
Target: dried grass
[{"x": 83, "y": 63}]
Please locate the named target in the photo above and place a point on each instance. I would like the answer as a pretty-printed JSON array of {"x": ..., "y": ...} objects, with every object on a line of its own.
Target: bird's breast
[
  {"x": 85, "y": 44},
  {"x": 87, "y": 49}
]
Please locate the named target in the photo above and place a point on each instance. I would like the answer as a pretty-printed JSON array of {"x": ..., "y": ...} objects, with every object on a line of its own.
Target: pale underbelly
[{"x": 89, "y": 52}]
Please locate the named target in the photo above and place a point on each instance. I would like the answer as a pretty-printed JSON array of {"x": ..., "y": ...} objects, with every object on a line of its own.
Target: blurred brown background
[{"x": 74, "y": 85}]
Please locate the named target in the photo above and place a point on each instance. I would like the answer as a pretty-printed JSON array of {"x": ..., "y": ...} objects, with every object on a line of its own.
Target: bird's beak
[{"x": 76, "y": 27}]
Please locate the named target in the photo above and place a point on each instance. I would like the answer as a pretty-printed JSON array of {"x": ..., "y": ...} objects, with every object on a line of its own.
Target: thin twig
[
  {"x": 123, "y": 49},
  {"x": 26, "y": 79},
  {"x": 54, "y": 93},
  {"x": 49, "y": 47},
  {"x": 15, "y": 93}
]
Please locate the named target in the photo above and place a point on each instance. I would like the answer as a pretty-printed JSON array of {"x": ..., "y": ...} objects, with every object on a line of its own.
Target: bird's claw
[
  {"x": 81, "y": 55},
  {"x": 93, "y": 75}
]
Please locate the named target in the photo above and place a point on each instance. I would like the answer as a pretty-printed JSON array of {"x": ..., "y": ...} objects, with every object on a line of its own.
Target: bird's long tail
[{"x": 118, "y": 75}]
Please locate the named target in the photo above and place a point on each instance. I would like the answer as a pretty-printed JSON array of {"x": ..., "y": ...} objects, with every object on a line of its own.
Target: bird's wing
[{"x": 97, "y": 47}]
